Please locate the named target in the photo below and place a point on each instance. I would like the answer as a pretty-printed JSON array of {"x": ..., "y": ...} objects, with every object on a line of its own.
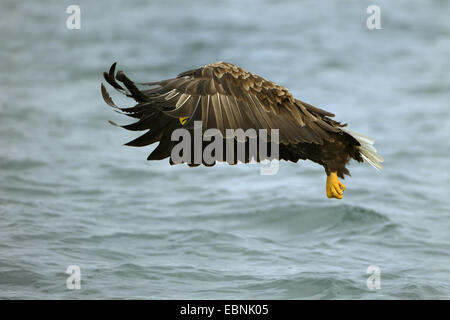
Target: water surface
[{"x": 71, "y": 194}]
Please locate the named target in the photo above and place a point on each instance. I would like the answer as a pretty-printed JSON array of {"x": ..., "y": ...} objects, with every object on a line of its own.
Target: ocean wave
[
  {"x": 19, "y": 164},
  {"x": 301, "y": 217}
]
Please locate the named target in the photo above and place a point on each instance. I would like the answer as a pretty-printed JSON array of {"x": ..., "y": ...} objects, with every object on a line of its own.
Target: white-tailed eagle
[{"x": 224, "y": 96}]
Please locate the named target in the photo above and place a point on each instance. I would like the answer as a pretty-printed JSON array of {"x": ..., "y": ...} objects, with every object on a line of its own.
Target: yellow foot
[
  {"x": 335, "y": 188},
  {"x": 183, "y": 120}
]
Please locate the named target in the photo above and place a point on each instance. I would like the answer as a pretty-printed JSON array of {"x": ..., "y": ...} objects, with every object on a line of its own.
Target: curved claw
[{"x": 334, "y": 188}]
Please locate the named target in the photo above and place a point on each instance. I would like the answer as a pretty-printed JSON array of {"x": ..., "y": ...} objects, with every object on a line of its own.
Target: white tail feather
[{"x": 367, "y": 150}]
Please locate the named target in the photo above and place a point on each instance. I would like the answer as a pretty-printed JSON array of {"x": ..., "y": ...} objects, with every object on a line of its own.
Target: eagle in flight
[{"x": 224, "y": 96}]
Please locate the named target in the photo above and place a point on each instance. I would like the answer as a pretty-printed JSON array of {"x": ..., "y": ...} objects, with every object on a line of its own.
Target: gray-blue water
[{"x": 72, "y": 194}]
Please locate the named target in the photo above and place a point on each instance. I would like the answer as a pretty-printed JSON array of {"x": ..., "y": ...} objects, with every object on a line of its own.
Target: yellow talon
[
  {"x": 335, "y": 188},
  {"x": 183, "y": 120}
]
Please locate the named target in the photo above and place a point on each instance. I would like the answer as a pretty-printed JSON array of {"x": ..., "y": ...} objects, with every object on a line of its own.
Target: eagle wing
[{"x": 224, "y": 96}]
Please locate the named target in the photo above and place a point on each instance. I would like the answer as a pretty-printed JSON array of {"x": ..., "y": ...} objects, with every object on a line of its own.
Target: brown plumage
[{"x": 225, "y": 96}]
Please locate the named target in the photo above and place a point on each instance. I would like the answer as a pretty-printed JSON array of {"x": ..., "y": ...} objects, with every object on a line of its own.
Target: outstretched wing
[{"x": 224, "y": 96}]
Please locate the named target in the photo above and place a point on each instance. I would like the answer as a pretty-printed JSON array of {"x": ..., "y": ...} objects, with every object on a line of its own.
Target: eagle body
[{"x": 224, "y": 96}]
